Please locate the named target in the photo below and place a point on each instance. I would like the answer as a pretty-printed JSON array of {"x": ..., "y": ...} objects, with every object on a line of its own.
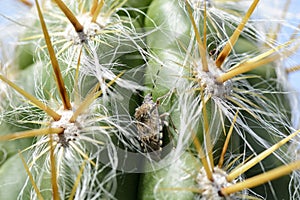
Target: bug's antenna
[
  {"x": 156, "y": 76},
  {"x": 154, "y": 83}
]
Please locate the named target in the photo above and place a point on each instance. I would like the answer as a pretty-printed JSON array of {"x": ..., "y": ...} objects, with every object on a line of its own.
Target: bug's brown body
[{"x": 149, "y": 125}]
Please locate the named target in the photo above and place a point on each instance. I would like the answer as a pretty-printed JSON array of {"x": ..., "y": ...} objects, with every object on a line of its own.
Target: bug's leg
[
  {"x": 168, "y": 134},
  {"x": 165, "y": 118}
]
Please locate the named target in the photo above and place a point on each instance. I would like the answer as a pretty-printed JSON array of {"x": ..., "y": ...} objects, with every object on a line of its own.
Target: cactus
[{"x": 156, "y": 99}]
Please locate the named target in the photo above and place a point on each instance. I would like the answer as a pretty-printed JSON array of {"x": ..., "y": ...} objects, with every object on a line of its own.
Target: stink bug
[{"x": 149, "y": 126}]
